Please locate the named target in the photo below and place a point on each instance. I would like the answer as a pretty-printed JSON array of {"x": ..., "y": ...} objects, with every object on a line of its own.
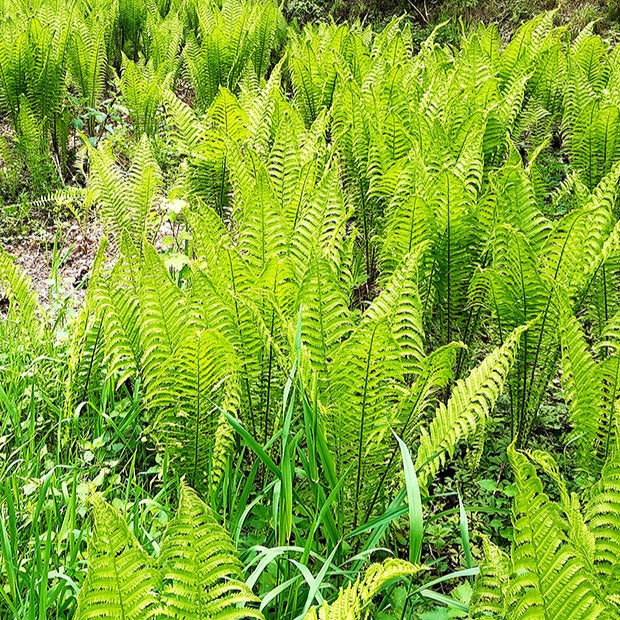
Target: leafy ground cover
[{"x": 339, "y": 335}]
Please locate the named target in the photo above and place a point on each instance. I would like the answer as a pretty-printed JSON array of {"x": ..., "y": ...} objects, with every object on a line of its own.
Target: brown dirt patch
[{"x": 58, "y": 259}]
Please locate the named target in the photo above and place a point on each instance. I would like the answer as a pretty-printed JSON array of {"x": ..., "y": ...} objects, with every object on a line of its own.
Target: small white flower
[{"x": 176, "y": 206}]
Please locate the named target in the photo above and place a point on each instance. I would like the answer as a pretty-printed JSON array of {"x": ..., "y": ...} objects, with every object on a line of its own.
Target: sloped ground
[{"x": 57, "y": 258}]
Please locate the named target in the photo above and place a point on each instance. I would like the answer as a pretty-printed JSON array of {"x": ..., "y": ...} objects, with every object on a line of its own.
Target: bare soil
[{"x": 58, "y": 258}]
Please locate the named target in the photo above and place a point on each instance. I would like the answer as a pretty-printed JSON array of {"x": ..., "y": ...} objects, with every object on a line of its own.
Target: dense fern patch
[{"x": 347, "y": 283}]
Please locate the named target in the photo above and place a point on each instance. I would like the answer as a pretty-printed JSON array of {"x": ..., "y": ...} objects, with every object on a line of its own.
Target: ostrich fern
[
  {"x": 560, "y": 563},
  {"x": 365, "y": 213},
  {"x": 196, "y": 575},
  {"x": 355, "y": 600},
  {"x": 593, "y": 395},
  {"x": 24, "y": 310}
]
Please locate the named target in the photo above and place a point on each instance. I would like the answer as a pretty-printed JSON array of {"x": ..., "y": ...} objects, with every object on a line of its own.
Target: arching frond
[
  {"x": 592, "y": 391},
  {"x": 24, "y": 310},
  {"x": 121, "y": 576},
  {"x": 196, "y": 575},
  {"x": 199, "y": 568},
  {"x": 464, "y": 416},
  {"x": 354, "y": 602}
]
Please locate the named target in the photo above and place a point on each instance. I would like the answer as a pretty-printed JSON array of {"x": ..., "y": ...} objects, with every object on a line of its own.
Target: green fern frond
[
  {"x": 119, "y": 310},
  {"x": 518, "y": 295},
  {"x": 199, "y": 569},
  {"x": 187, "y": 128},
  {"x": 365, "y": 385},
  {"x": 488, "y": 598},
  {"x": 319, "y": 223},
  {"x": 561, "y": 559},
  {"x": 550, "y": 574},
  {"x": 86, "y": 352},
  {"x": 197, "y": 574},
  {"x": 400, "y": 303},
  {"x": 592, "y": 394},
  {"x": 126, "y": 199},
  {"x": 142, "y": 89},
  {"x": 185, "y": 398},
  {"x": 33, "y": 148},
  {"x": 121, "y": 578},
  {"x": 163, "y": 316},
  {"x": 602, "y": 518},
  {"x": 88, "y": 61},
  {"x": 471, "y": 401},
  {"x": 354, "y": 602},
  {"x": 24, "y": 309},
  {"x": 325, "y": 316}
]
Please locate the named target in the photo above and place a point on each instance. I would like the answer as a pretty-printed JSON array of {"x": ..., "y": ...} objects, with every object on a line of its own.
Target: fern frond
[
  {"x": 24, "y": 309},
  {"x": 325, "y": 316},
  {"x": 472, "y": 400},
  {"x": 602, "y": 518},
  {"x": 119, "y": 303},
  {"x": 488, "y": 596},
  {"x": 142, "y": 89},
  {"x": 196, "y": 576},
  {"x": 86, "y": 352},
  {"x": 400, "y": 303},
  {"x": 163, "y": 316},
  {"x": 354, "y": 601},
  {"x": 200, "y": 572},
  {"x": 365, "y": 385},
  {"x": 320, "y": 223},
  {"x": 127, "y": 199},
  {"x": 185, "y": 398},
  {"x": 592, "y": 393},
  {"x": 121, "y": 578},
  {"x": 551, "y": 579}
]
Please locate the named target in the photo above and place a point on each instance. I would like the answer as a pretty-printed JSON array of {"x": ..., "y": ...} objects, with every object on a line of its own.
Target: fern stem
[
  {"x": 239, "y": 322},
  {"x": 360, "y": 446},
  {"x": 516, "y": 425},
  {"x": 449, "y": 266},
  {"x": 197, "y": 425},
  {"x": 92, "y": 360},
  {"x": 523, "y": 431},
  {"x": 610, "y": 434},
  {"x": 402, "y": 433},
  {"x": 269, "y": 372}
]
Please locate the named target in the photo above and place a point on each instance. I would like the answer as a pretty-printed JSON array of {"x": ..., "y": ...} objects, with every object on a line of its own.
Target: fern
[
  {"x": 196, "y": 575},
  {"x": 601, "y": 518},
  {"x": 33, "y": 148},
  {"x": 354, "y": 601},
  {"x": 86, "y": 353},
  {"x": 199, "y": 568},
  {"x": 558, "y": 567},
  {"x": 142, "y": 90},
  {"x": 591, "y": 115},
  {"x": 366, "y": 384},
  {"x": 24, "y": 310},
  {"x": 592, "y": 393},
  {"x": 88, "y": 61},
  {"x": 126, "y": 199},
  {"x": 465, "y": 414},
  {"x": 121, "y": 576},
  {"x": 234, "y": 38},
  {"x": 491, "y": 583},
  {"x": 185, "y": 394}
]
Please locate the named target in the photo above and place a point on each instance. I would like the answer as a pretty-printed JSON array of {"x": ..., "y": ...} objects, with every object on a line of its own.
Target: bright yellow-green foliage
[
  {"x": 563, "y": 562},
  {"x": 593, "y": 392},
  {"x": 24, "y": 309},
  {"x": 196, "y": 575},
  {"x": 354, "y": 600}
]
